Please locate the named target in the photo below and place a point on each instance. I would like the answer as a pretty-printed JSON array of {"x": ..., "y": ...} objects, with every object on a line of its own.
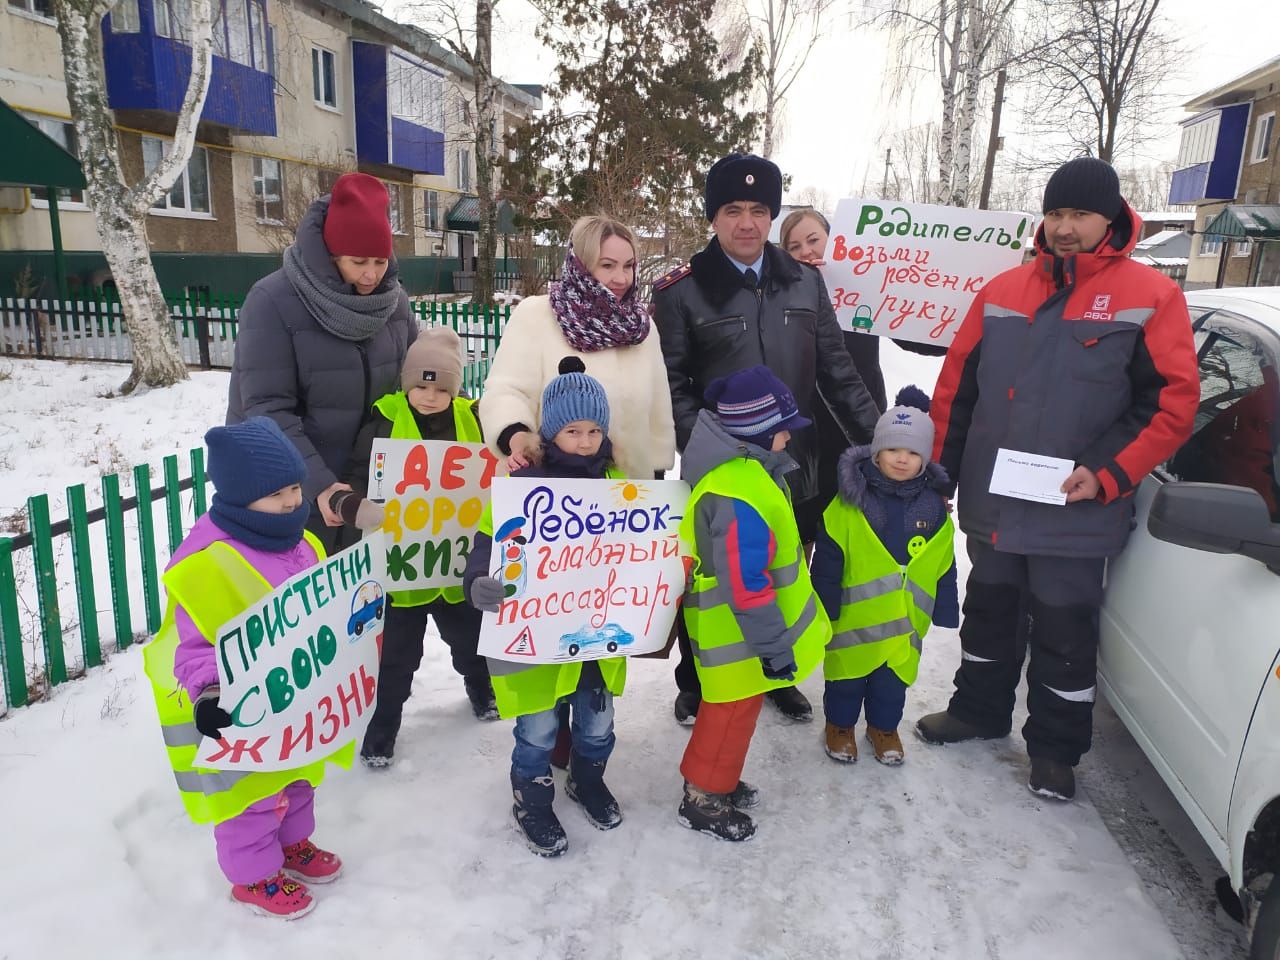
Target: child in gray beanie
[{"x": 884, "y": 569}]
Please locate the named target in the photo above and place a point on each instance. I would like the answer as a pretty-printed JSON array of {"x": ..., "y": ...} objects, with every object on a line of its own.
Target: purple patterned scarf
[{"x": 591, "y": 318}]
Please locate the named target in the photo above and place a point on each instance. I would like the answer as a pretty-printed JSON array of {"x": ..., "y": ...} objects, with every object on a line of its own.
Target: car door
[{"x": 1188, "y": 636}]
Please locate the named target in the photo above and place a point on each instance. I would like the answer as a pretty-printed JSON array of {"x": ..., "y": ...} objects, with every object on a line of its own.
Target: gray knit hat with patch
[
  {"x": 434, "y": 360},
  {"x": 906, "y": 426}
]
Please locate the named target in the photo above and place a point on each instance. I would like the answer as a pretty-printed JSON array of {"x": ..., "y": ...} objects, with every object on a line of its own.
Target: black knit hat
[
  {"x": 744, "y": 177},
  {"x": 1085, "y": 183}
]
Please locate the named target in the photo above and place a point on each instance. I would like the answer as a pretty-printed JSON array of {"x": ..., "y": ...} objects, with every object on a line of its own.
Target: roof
[
  {"x": 30, "y": 158},
  {"x": 465, "y": 215},
  {"x": 1167, "y": 216},
  {"x": 1256, "y": 221},
  {"x": 1157, "y": 239},
  {"x": 1245, "y": 83},
  {"x": 1161, "y": 261}
]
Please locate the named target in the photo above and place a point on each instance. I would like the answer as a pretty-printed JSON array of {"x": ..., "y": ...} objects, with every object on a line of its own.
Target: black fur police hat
[{"x": 744, "y": 177}]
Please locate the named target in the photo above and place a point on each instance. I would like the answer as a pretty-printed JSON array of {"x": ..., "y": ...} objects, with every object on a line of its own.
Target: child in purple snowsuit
[{"x": 258, "y": 510}]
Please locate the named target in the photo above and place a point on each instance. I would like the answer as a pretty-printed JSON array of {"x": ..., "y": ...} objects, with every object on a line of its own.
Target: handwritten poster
[
  {"x": 591, "y": 568},
  {"x": 434, "y": 492},
  {"x": 299, "y": 668},
  {"x": 911, "y": 270}
]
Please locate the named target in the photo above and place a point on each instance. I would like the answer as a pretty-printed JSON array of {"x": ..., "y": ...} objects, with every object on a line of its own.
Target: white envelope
[{"x": 1030, "y": 476}]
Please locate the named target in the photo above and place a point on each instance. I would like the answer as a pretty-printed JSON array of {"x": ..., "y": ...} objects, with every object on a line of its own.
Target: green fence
[{"x": 114, "y": 548}]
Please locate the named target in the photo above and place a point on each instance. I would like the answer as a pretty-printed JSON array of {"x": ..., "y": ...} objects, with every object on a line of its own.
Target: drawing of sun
[{"x": 627, "y": 492}]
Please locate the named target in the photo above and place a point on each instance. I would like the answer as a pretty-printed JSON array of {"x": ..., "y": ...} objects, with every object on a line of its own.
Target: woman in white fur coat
[{"x": 591, "y": 312}]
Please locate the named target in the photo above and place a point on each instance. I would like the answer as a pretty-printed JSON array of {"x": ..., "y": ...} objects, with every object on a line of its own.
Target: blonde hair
[
  {"x": 793, "y": 220},
  {"x": 590, "y": 233}
]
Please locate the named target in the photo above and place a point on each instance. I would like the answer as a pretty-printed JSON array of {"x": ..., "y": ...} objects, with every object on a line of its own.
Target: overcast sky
[{"x": 838, "y": 110}]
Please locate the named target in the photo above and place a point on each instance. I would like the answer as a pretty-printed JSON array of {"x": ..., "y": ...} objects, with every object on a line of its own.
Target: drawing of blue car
[
  {"x": 366, "y": 607},
  {"x": 611, "y": 636}
]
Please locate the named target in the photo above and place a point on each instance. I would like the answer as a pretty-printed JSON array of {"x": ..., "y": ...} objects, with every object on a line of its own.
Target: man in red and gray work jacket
[{"x": 1084, "y": 355}]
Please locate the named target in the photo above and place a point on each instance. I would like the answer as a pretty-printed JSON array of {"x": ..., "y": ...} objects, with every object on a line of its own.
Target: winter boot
[
  {"x": 277, "y": 897},
  {"x": 744, "y": 796},
  {"x": 687, "y": 704},
  {"x": 480, "y": 693},
  {"x": 713, "y": 813},
  {"x": 535, "y": 818},
  {"x": 792, "y": 704},
  {"x": 1051, "y": 778},
  {"x": 887, "y": 745},
  {"x": 379, "y": 748},
  {"x": 842, "y": 744},
  {"x": 943, "y": 727},
  {"x": 586, "y": 786},
  {"x": 306, "y": 862}
]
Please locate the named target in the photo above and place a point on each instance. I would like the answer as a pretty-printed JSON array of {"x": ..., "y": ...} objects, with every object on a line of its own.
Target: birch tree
[
  {"x": 784, "y": 32},
  {"x": 120, "y": 209}
]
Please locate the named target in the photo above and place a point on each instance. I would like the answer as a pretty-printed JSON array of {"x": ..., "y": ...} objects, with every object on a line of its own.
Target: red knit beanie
[{"x": 357, "y": 224}]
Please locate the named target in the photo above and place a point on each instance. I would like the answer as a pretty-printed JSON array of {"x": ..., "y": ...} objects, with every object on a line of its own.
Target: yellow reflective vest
[
  {"x": 885, "y": 608},
  {"x": 524, "y": 688},
  {"x": 213, "y": 586},
  {"x": 728, "y": 667},
  {"x": 466, "y": 428}
]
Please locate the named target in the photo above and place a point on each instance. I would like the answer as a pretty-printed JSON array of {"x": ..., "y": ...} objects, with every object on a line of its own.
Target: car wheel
[
  {"x": 612, "y": 646},
  {"x": 1266, "y": 932},
  {"x": 377, "y": 612},
  {"x": 573, "y": 649},
  {"x": 359, "y": 628}
]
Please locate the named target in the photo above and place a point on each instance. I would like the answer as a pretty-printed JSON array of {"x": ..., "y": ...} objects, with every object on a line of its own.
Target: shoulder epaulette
[{"x": 667, "y": 279}]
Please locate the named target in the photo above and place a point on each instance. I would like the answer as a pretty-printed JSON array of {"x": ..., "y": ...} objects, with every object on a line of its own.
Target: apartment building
[{"x": 301, "y": 91}]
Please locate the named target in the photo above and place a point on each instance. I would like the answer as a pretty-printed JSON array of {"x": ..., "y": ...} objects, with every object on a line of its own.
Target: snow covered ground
[{"x": 947, "y": 856}]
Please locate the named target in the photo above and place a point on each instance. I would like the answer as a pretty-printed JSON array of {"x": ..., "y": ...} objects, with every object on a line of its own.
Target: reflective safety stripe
[
  {"x": 923, "y": 601},
  {"x": 723, "y": 592},
  {"x": 874, "y": 634},
  {"x": 740, "y": 650},
  {"x": 872, "y": 588},
  {"x": 966, "y": 655},
  {"x": 1075, "y": 696},
  {"x": 1135, "y": 315},
  {"x": 181, "y": 735},
  {"x": 505, "y": 668},
  {"x": 216, "y": 781}
]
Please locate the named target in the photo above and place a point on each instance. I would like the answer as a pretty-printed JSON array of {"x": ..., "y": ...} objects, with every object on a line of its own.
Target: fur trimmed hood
[{"x": 852, "y": 482}]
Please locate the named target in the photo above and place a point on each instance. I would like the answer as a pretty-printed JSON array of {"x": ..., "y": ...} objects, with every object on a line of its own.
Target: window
[
  {"x": 190, "y": 192},
  {"x": 393, "y": 208},
  {"x": 464, "y": 171},
  {"x": 268, "y": 190},
  {"x": 432, "y": 203},
  {"x": 1234, "y": 440},
  {"x": 325, "y": 179},
  {"x": 324, "y": 77},
  {"x": 1262, "y": 131},
  {"x": 258, "y": 38},
  {"x": 62, "y": 132},
  {"x": 416, "y": 93},
  {"x": 173, "y": 18},
  {"x": 1212, "y": 247},
  {"x": 124, "y": 17},
  {"x": 1198, "y": 141},
  {"x": 38, "y": 8}
]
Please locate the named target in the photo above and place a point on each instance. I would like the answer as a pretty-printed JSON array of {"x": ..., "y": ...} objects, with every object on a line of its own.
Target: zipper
[{"x": 368, "y": 377}]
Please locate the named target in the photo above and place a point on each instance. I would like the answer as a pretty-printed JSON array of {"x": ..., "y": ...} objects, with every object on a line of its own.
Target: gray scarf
[
  {"x": 320, "y": 287},
  {"x": 336, "y": 308}
]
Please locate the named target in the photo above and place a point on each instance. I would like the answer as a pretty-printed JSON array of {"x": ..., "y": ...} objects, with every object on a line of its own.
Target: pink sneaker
[
  {"x": 276, "y": 896},
  {"x": 305, "y": 861}
]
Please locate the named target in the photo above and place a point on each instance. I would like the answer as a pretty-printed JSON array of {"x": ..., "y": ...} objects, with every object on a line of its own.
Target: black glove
[
  {"x": 783, "y": 671},
  {"x": 211, "y": 719}
]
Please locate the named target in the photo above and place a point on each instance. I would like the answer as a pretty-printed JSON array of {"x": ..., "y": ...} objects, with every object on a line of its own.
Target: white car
[{"x": 1190, "y": 654}]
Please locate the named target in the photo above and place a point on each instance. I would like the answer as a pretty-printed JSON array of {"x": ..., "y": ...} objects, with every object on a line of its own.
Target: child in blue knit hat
[
  {"x": 884, "y": 569},
  {"x": 251, "y": 540},
  {"x": 575, "y": 438}
]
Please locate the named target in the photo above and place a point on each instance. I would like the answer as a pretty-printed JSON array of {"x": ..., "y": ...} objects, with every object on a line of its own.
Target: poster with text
[
  {"x": 434, "y": 492},
  {"x": 910, "y": 270},
  {"x": 299, "y": 668},
  {"x": 590, "y": 568}
]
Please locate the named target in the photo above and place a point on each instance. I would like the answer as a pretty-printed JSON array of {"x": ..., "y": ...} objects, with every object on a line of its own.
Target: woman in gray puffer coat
[{"x": 324, "y": 337}]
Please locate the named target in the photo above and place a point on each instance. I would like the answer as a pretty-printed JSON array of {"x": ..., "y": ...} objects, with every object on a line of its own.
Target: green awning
[
  {"x": 31, "y": 159},
  {"x": 1246, "y": 221},
  {"x": 465, "y": 215}
]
